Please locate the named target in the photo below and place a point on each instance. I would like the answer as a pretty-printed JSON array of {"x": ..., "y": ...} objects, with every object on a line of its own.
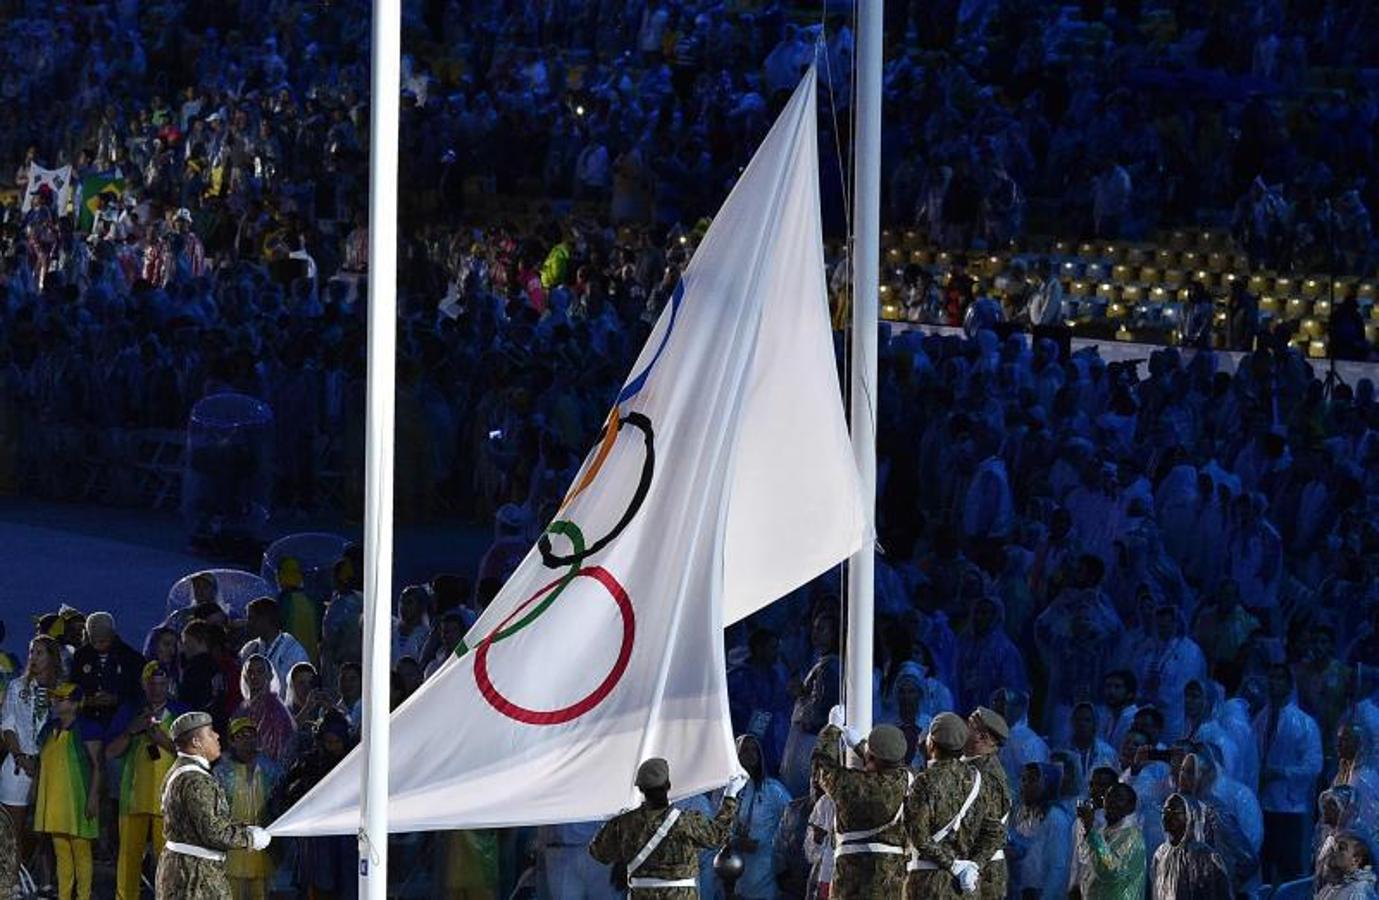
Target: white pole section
[
  {"x": 866, "y": 256},
  {"x": 385, "y": 95}
]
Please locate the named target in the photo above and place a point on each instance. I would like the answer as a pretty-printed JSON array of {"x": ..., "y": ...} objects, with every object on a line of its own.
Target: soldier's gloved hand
[
  {"x": 735, "y": 785},
  {"x": 259, "y": 837},
  {"x": 837, "y": 718},
  {"x": 852, "y": 736},
  {"x": 966, "y": 872}
]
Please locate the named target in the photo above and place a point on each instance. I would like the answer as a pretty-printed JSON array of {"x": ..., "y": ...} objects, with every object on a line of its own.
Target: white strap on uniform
[
  {"x": 844, "y": 841},
  {"x": 1000, "y": 855},
  {"x": 962, "y": 812},
  {"x": 177, "y": 773},
  {"x": 916, "y": 864},
  {"x": 645, "y": 884},
  {"x": 849, "y": 849},
  {"x": 666, "y": 824},
  {"x": 193, "y": 850}
]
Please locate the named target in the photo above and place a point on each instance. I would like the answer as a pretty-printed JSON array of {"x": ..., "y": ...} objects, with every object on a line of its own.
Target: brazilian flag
[{"x": 92, "y": 186}]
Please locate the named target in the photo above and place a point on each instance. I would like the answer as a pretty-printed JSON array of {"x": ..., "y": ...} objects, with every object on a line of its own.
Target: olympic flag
[{"x": 723, "y": 480}]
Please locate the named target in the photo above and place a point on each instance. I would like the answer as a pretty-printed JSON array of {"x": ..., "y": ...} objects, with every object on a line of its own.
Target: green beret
[
  {"x": 993, "y": 722},
  {"x": 949, "y": 732},
  {"x": 188, "y": 722},
  {"x": 887, "y": 743},
  {"x": 653, "y": 774}
]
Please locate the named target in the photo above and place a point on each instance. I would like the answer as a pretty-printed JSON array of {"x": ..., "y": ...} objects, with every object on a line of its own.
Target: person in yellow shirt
[
  {"x": 139, "y": 736},
  {"x": 301, "y": 615},
  {"x": 249, "y": 779},
  {"x": 67, "y": 806}
]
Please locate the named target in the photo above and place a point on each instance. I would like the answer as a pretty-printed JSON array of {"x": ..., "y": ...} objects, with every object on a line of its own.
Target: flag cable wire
[{"x": 846, "y": 166}]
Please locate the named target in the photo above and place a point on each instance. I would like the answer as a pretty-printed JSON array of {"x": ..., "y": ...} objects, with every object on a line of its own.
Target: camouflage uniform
[
  {"x": 995, "y": 803},
  {"x": 935, "y": 799},
  {"x": 863, "y": 801},
  {"x": 196, "y": 813},
  {"x": 677, "y": 857},
  {"x": 9, "y": 852}
]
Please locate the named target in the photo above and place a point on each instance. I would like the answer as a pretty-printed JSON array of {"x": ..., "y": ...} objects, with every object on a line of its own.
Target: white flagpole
[
  {"x": 378, "y": 454},
  {"x": 866, "y": 255}
]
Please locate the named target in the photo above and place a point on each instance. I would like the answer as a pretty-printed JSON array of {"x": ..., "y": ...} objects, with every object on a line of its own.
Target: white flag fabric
[
  {"x": 724, "y": 480},
  {"x": 57, "y": 180}
]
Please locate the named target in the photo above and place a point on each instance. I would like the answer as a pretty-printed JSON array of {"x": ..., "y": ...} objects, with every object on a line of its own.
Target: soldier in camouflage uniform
[
  {"x": 943, "y": 816},
  {"x": 670, "y": 870},
  {"x": 869, "y": 838},
  {"x": 196, "y": 818},
  {"x": 986, "y": 733}
]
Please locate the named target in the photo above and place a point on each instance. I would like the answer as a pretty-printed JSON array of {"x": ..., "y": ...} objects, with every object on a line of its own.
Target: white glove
[
  {"x": 837, "y": 718},
  {"x": 259, "y": 837},
  {"x": 735, "y": 785},
  {"x": 966, "y": 872},
  {"x": 852, "y": 736}
]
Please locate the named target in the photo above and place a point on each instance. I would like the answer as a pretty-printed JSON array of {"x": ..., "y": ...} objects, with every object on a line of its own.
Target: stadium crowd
[
  {"x": 1165, "y": 581},
  {"x": 1164, "y": 578}
]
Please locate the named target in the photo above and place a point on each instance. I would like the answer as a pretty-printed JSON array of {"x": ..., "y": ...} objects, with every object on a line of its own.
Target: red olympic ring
[{"x": 527, "y": 716}]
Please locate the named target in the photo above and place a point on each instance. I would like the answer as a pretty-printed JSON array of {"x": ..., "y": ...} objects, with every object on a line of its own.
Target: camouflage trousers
[
  {"x": 931, "y": 884},
  {"x": 182, "y": 877},
  {"x": 868, "y": 876},
  {"x": 993, "y": 882}
]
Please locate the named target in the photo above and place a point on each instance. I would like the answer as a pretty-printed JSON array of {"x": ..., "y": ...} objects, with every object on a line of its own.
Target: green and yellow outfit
[
  {"x": 142, "y": 769},
  {"x": 65, "y": 775}
]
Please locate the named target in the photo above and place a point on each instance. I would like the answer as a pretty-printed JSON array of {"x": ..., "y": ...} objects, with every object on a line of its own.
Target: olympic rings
[
  {"x": 553, "y": 560},
  {"x": 520, "y": 618},
  {"x": 502, "y": 704}
]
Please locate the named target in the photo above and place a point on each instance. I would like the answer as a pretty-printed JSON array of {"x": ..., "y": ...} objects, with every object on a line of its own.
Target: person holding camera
[
  {"x": 140, "y": 737},
  {"x": 1117, "y": 864}
]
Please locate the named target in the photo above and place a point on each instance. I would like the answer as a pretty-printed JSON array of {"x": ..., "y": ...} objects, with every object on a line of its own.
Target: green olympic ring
[{"x": 571, "y": 531}]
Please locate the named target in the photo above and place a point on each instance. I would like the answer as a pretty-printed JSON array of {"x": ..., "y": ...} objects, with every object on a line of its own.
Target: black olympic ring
[{"x": 551, "y": 559}]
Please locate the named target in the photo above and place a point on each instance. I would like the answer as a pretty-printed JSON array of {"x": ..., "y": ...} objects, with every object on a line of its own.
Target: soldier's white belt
[
  {"x": 849, "y": 849},
  {"x": 651, "y": 883},
  {"x": 193, "y": 850},
  {"x": 921, "y": 865}
]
